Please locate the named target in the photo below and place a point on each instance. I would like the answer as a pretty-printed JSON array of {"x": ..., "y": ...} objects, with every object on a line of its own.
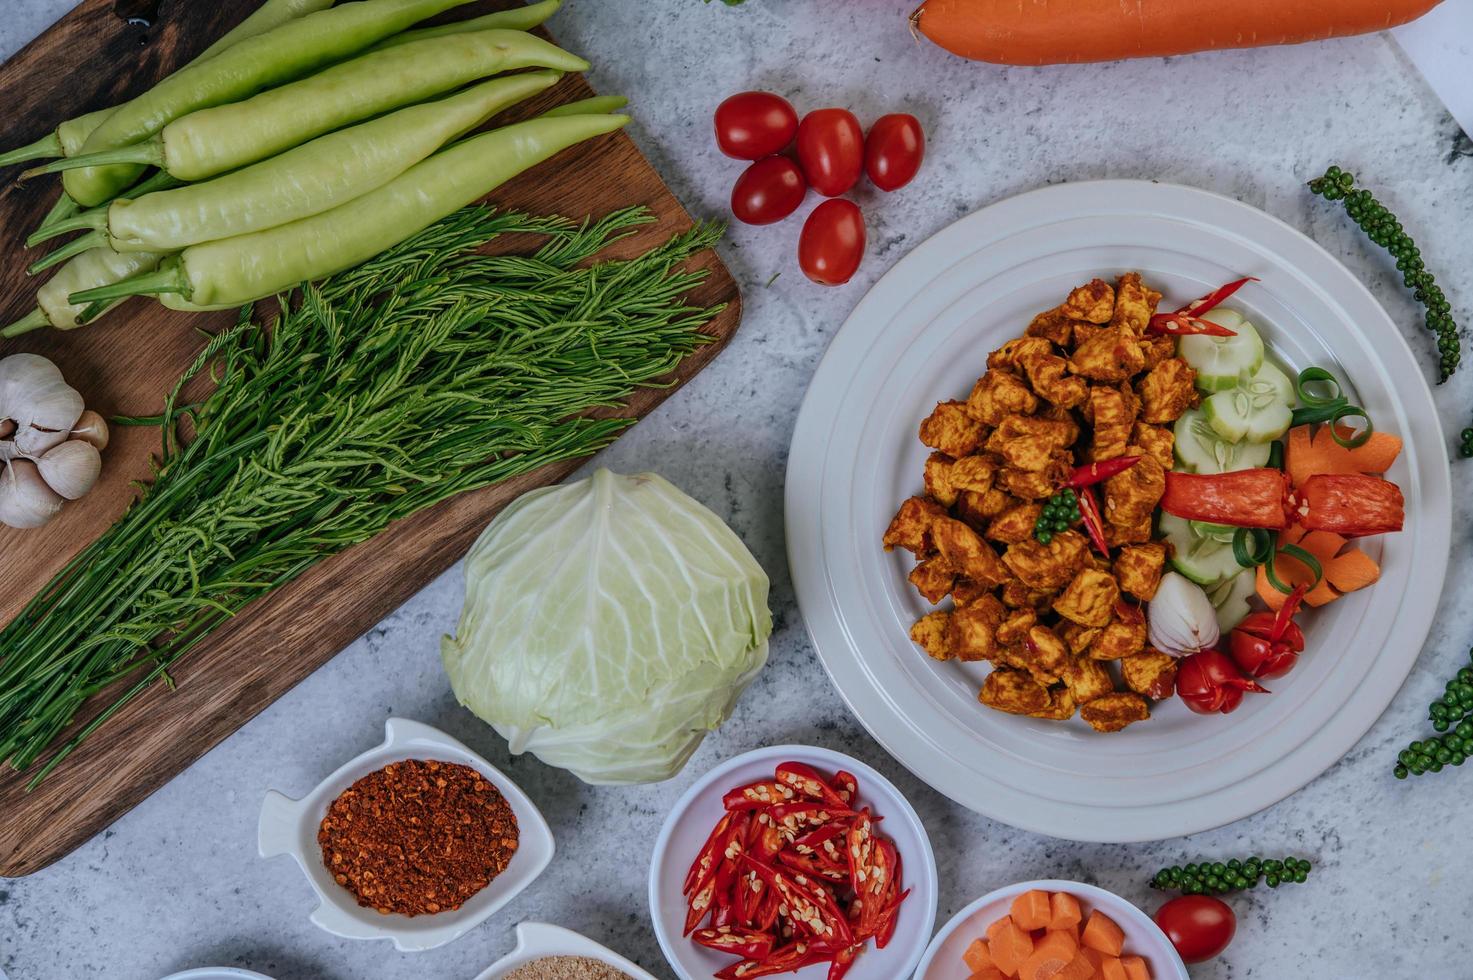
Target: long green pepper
[
  {"x": 522, "y": 18},
  {"x": 93, "y": 268},
  {"x": 282, "y": 54}
]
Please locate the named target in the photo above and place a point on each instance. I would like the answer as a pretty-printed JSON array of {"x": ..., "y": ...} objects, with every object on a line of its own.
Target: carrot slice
[
  {"x": 978, "y": 956},
  {"x": 1135, "y": 968},
  {"x": 1079, "y": 968},
  {"x": 1065, "y": 911},
  {"x": 1050, "y": 957},
  {"x": 988, "y": 973},
  {"x": 1031, "y": 910},
  {"x": 1009, "y": 945},
  {"x": 1345, "y": 569},
  {"x": 1307, "y": 453},
  {"x": 1101, "y": 933},
  {"x": 1095, "y": 957},
  {"x": 1112, "y": 969},
  {"x": 1071, "y": 931}
]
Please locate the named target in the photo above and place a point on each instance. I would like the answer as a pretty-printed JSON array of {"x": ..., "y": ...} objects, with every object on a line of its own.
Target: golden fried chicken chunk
[
  {"x": 1048, "y": 375},
  {"x": 1135, "y": 304},
  {"x": 1079, "y": 637},
  {"x": 1157, "y": 348},
  {"x": 1094, "y": 301},
  {"x": 1047, "y": 655},
  {"x": 938, "y": 479},
  {"x": 1047, "y": 567},
  {"x": 1016, "y": 595},
  {"x": 1031, "y": 443},
  {"x": 1061, "y": 707},
  {"x": 1113, "y": 421},
  {"x": 933, "y": 578},
  {"x": 978, "y": 509},
  {"x": 1113, "y": 354},
  {"x": 1054, "y": 325},
  {"x": 1089, "y": 599},
  {"x": 1037, "y": 484},
  {"x": 998, "y": 394},
  {"x": 1119, "y": 639},
  {"x": 1138, "y": 569},
  {"x": 966, "y": 552},
  {"x": 965, "y": 592},
  {"x": 1014, "y": 524},
  {"x": 1014, "y": 691},
  {"x": 1117, "y": 535},
  {"x": 1151, "y": 673},
  {"x": 910, "y": 528},
  {"x": 1167, "y": 390},
  {"x": 950, "y": 429},
  {"x": 1013, "y": 630},
  {"x": 1088, "y": 679},
  {"x": 1113, "y": 712},
  {"x": 930, "y": 634},
  {"x": 1158, "y": 442},
  {"x": 1131, "y": 496},
  {"x": 974, "y": 473},
  {"x": 973, "y": 629},
  {"x": 1009, "y": 357}
]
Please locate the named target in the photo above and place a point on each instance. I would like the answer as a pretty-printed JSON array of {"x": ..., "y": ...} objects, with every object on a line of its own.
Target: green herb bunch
[
  {"x": 1060, "y": 512},
  {"x": 1452, "y": 717},
  {"x": 426, "y": 372},
  {"x": 1218, "y": 878}
]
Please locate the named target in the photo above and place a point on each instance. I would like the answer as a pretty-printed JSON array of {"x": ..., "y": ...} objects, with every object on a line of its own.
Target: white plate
[
  {"x": 1143, "y": 938},
  {"x": 536, "y": 940},
  {"x": 290, "y": 827},
  {"x": 696, "y": 812},
  {"x": 922, "y": 334}
]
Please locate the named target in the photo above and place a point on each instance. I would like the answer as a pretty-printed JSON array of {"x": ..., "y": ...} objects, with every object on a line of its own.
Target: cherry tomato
[
  {"x": 832, "y": 242},
  {"x": 753, "y": 125},
  {"x": 893, "y": 150},
  {"x": 831, "y": 150},
  {"x": 767, "y": 191},
  {"x": 1199, "y": 926}
]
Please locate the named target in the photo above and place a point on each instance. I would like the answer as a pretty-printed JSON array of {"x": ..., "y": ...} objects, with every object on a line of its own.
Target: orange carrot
[
  {"x": 1050, "y": 956},
  {"x": 977, "y": 957},
  {"x": 1101, "y": 933},
  {"x": 1065, "y": 912},
  {"x": 1308, "y": 454},
  {"x": 1345, "y": 569},
  {"x": 1009, "y": 945},
  {"x": 1079, "y": 968},
  {"x": 1071, "y": 931},
  {"x": 988, "y": 973},
  {"x": 1031, "y": 910},
  {"x": 1135, "y": 968},
  {"x": 1046, "y": 32},
  {"x": 1112, "y": 969}
]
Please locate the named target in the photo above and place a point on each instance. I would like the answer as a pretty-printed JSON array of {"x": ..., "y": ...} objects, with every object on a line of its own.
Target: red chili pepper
[
  {"x": 1091, "y": 473},
  {"x": 746, "y": 943},
  {"x": 810, "y": 906},
  {"x": 846, "y": 786},
  {"x": 1351, "y": 505},
  {"x": 888, "y": 920},
  {"x": 809, "y": 864},
  {"x": 1089, "y": 511},
  {"x": 790, "y": 958},
  {"x": 1244, "y": 498},
  {"x": 765, "y": 792},
  {"x": 843, "y": 960},
  {"x": 1188, "y": 320},
  {"x": 1268, "y": 645},
  {"x": 806, "y": 780},
  {"x": 791, "y": 818},
  {"x": 712, "y": 893},
  {"x": 706, "y": 857},
  {"x": 1209, "y": 682}
]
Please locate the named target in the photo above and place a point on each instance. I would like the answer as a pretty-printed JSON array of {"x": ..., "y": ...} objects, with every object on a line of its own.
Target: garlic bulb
[
  {"x": 49, "y": 445},
  {"x": 1182, "y": 619}
]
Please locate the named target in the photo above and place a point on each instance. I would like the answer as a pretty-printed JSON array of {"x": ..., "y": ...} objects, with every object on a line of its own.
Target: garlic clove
[
  {"x": 55, "y": 407},
  {"x": 7, "y": 451},
  {"x": 20, "y": 374},
  {"x": 25, "y": 499},
  {"x": 35, "y": 443},
  {"x": 71, "y": 469},
  {"x": 8, "y": 427},
  {"x": 90, "y": 428}
]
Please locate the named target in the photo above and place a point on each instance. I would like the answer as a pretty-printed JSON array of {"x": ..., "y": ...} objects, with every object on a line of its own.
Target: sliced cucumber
[
  {"x": 1202, "y": 559},
  {"x": 1259, "y": 409},
  {"x": 1200, "y": 450},
  {"x": 1222, "y": 362},
  {"x": 1217, "y": 532},
  {"x": 1230, "y": 599}
]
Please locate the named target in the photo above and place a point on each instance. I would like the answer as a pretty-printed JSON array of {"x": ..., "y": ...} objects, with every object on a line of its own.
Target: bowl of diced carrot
[{"x": 1051, "y": 930}]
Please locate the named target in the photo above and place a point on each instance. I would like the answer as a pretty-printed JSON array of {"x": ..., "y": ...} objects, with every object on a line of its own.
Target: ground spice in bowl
[
  {"x": 566, "y": 968},
  {"x": 418, "y": 837}
]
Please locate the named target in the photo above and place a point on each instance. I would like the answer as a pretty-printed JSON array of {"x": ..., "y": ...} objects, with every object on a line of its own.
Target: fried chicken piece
[
  {"x": 1047, "y": 655},
  {"x": 1088, "y": 680},
  {"x": 1048, "y": 375},
  {"x": 1014, "y": 524},
  {"x": 1135, "y": 304},
  {"x": 938, "y": 479},
  {"x": 1113, "y": 712},
  {"x": 933, "y": 578},
  {"x": 1085, "y": 332},
  {"x": 1138, "y": 569},
  {"x": 998, "y": 394},
  {"x": 1157, "y": 348},
  {"x": 1158, "y": 442},
  {"x": 950, "y": 429},
  {"x": 1016, "y": 595},
  {"x": 1047, "y": 567},
  {"x": 966, "y": 552},
  {"x": 1120, "y": 639},
  {"x": 1029, "y": 442},
  {"x": 930, "y": 634},
  {"x": 1089, "y": 599},
  {"x": 1061, "y": 707},
  {"x": 1167, "y": 390},
  {"x": 1111, "y": 355},
  {"x": 910, "y": 528},
  {"x": 1112, "y": 418},
  {"x": 1094, "y": 301},
  {"x": 1079, "y": 637},
  {"x": 977, "y": 509},
  {"x": 1013, "y": 630},
  {"x": 1037, "y": 484},
  {"x": 972, "y": 632},
  {"x": 965, "y": 592},
  {"x": 1054, "y": 325},
  {"x": 1117, "y": 535},
  {"x": 1152, "y": 674},
  {"x": 1009, "y": 357},
  {"x": 1015, "y": 692},
  {"x": 1131, "y": 496},
  {"x": 974, "y": 473}
]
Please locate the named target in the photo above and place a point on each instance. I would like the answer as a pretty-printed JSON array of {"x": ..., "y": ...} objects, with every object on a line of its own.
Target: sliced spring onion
[
  {"x": 1360, "y": 437},
  {"x": 1303, "y": 557},
  {"x": 1317, "y": 376},
  {"x": 1252, "y": 546}
]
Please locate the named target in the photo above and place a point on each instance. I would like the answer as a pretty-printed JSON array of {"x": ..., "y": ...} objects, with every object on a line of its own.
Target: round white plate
[
  {"x": 921, "y": 335},
  {"x": 699, "y": 808}
]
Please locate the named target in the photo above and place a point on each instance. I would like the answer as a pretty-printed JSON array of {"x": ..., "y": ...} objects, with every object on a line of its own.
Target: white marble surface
[{"x": 176, "y": 883}]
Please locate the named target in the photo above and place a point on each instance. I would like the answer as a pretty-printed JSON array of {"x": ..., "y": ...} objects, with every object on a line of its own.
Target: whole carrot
[{"x": 284, "y": 53}]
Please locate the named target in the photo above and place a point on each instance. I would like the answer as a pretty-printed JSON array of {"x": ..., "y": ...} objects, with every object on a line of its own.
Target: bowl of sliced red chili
[
  {"x": 416, "y": 841},
  {"x": 790, "y": 858}
]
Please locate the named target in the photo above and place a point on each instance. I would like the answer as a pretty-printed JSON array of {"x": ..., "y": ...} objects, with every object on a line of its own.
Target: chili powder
[{"x": 418, "y": 837}]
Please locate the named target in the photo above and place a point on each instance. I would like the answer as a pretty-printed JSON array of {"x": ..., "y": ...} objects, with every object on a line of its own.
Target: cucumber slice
[
  {"x": 1217, "y": 532},
  {"x": 1222, "y": 362},
  {"x": 1204, "y": 560},
  {"x": 1230, "y": 599},
  {"x": 1258, "y": 410},
  {"x": 1200, "y": 450}
]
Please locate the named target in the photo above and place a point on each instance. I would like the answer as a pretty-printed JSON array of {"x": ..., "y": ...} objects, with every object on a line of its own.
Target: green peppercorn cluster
[
  {"x": 1382, "y": 227},
  {"x": 1452, "y": 717},
  {"x": 1218, "y": 878},
  {"x": 1060, "y": 512}
]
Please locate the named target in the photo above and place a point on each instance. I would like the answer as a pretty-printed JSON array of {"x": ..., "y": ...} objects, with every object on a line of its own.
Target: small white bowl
[
  {"x": 217, "y": 973},
  {"x": 536, "y": 940},
  {"x": 1143, "y": 938},
  {"x": 290, "y": 827},
  {"x": 696, "y": 812}
]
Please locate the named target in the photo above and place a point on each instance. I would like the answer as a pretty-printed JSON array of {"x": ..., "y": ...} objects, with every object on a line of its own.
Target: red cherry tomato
[
  {"x": 753, "y": 125},
  {"x": 893, "y": 150},
  {"x": 767, "y": 191},
  {"x": 1199, "y": 926},
  {"x": 831, "y": 150},
  {"x": 832, "y": 243}
]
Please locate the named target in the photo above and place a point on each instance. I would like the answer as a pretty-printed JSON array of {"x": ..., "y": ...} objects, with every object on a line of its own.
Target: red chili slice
[
  {"x": 1094, "y": 523},
  {"x": 746, "y": 943},
  {"x": 806, "y": 780},
  {"x": 789, "y": 958},
  {"x": 792, "y": 819},
  {"x": 811, "y": 865},
  {"x": 1243, "y": 498},
  {"x": 1092, "y": 473},
  {"x": 843, "y": 960},
  {"x": 1352, "y": 505},
  {"x": 810, "y": 906},
  {"x": 1188, "y": 320},
  {"x": 705, "y": 862},
  {"x": 846, "y": 786},
  {"x": 766, "y": 792}
]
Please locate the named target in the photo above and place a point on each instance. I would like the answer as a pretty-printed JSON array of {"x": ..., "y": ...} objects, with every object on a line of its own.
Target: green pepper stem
[
  {"x": 45, "y": 148},
  {"x": 84, "y": 243},
  {"x": 64, "y": 207},
  {"x": 169, "y": 279},
  {"x": 598, "y": 105},
  {"x": 33, "y": 320},
  {"x": 93, "y": 220},
  {"x": 149, "y": 153}
]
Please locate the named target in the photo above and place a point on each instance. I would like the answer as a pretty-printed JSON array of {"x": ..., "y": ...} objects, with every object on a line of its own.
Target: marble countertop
[{"x": 176, "y": 883}]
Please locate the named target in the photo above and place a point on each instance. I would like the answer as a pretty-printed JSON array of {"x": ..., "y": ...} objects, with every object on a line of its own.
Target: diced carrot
[
  {"x": 1101, "y": 933},
  {"x": 977, "y": 956},
  {"x": 1064, "y": 911},
  {"x": 1009, "y": 945},
  {"x": 988, "y": 973},
  {"x": 1112, "y": 969},
  {"x": 1079, "y": 968},
  {"x": 1307, "y": 453},
  {"x": 1050, "y": 957},
  {"x": 1071, "y": 931},
  {"x": 1135, "y": 968},
  {"x": 1345, "y": 569},
  {"x": 1031, "y": 910},
  {"x": 1094, "y": 956}
]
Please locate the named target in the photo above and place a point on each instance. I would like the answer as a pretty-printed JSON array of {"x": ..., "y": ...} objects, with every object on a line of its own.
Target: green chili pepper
[
  {"x": 516, "y": 19},
  {"x": 93, "y": 268},
  {"x": 280, "y": 55},
  {"x": 309, "y": 179},
  {"x": 235, "y": 271},
  {"x": 68, "y": 137}
]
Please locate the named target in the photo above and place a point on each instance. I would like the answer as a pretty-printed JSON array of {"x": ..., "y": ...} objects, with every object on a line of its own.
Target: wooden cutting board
[{"x": 122, "y": 365}]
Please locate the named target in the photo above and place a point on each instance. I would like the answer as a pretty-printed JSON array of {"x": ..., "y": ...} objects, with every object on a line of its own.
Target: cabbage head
[{"x": 609, "y": 624}]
